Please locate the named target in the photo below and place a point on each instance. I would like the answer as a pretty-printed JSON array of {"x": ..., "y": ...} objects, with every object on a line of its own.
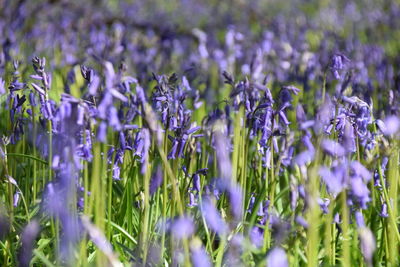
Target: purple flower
[
  {"x": 334, "y": 179},
  {"x": 94, "y": 85},
  {"x": 360, "y": 191},
  {"x": 236, "y": 201},
  {"x": 235, "y": 196},
  {"x": 122, "y": 140},
  {"x": 32, "y": 99},
  {"x": 213, "y": 218},
  {"x": 98, "y": 238},
  {"x": 390, "y": 125},
  {"x": 367, "y": 243},
  {"x": 222, "y": 149},
  {"x": 359, "y": 219},
  {"x": 102, "y": 132},
  {"x": 324, "y": 204},
  {"x": 384, "y": 212},
  {"x": 300, "y": 220},
  {"x": 361, "y": 171},
  {"x": 257, "y": 236},
  {"x": 304, "y": 158},
  {"x": 146, "y": 147},
  {"x": 183, "y": 227},
  {"x": 337, "y": 64},
  {"x": 192, "y": 200},
  {"x": 16, "y": 199},
  {"x": 28, "y": 237},
  {"x": 4, "y": 225},
  {"x": 156, "y": 180},
  {"x": 280, "y": 228},
  {"x": 348, "y": 138},
  {"x": 113, "y": 119},
  {"x": 116, "y": 172},
  {"x": 196, "y": 182},
  {"x": 81, "y": 115},
  {"x": 38, "y": 89},
  {"x": 332, "y": 148},
  {"x": 277, "y": 258},
  {"x": 199, "y": 255},
  {"x": 2, "y": 87}
]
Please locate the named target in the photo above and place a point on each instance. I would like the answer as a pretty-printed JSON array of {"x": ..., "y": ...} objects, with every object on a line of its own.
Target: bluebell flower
[
  {"x": 198, "y": 255},
  {"x": 182, "y": 227},
  {"x": 28, "y": 237},
  {"x": 332, "y": 148},
  {"x": 213, "y": 218},
  {"x": 277, "y": 258},
  {"x": 367, "y": 243},
  {"x": 337, "y": 64},
  {"x": 2, "y": 87}
]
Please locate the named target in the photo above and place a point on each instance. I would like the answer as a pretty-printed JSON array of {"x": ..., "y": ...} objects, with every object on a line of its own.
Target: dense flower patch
[{"x": 199, "y": 134}]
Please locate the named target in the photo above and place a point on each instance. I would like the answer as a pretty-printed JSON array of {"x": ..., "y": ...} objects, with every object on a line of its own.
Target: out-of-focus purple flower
[
  {"x": 213, "y": 218},
  {"x": 359, "y": 219},
  {"x": 104, "y": 105},
  {"x": 294, "y": 193},
  {"x": 182, "y": 227},
  {"x": 199, "y": 255},
  {"x": 100, "y": 241},
  {"x": 28, "y": 237},
  {"x": 277, "y": 258},
  {"x": 235, "y": 196},
  {"x": 280, "y": 228},
  {"x": 94, "y": 85},
  {"x": 367, "y": 243},
  {"x": 361, "y": 171},
  {"x": 236, "y": 247},
  {"x": 257, "y": 236},
  {"x": 4, "y": 224},
  {"x": 113, "y": 119},
  {"x": 324, "y": 116},
  {"x": 102, "y": 132},
  {"x": 360, "y": 191},
  {"x": 156, "y": 180},
  {"x": 300, "y": 220},
  {"x": 300, "y": 113},
  {"x": 2, "y": 87},
  {"x": 334, "y": 179},
  {"x": 304, "y": 157},
  {"x": 332, "y": 148},
  {"x": 81, "y": 115},
  {"x": 336, "y": 218},
  {"x": 390, "y": 125},
  {"x": 348, "y": 138},
  {"x": 236, "y": 201},
  {"x": 222, "y": 150}
]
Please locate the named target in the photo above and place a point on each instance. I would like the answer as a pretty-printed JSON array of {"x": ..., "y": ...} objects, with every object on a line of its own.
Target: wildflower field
[{"x": 199, "y": 133}]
